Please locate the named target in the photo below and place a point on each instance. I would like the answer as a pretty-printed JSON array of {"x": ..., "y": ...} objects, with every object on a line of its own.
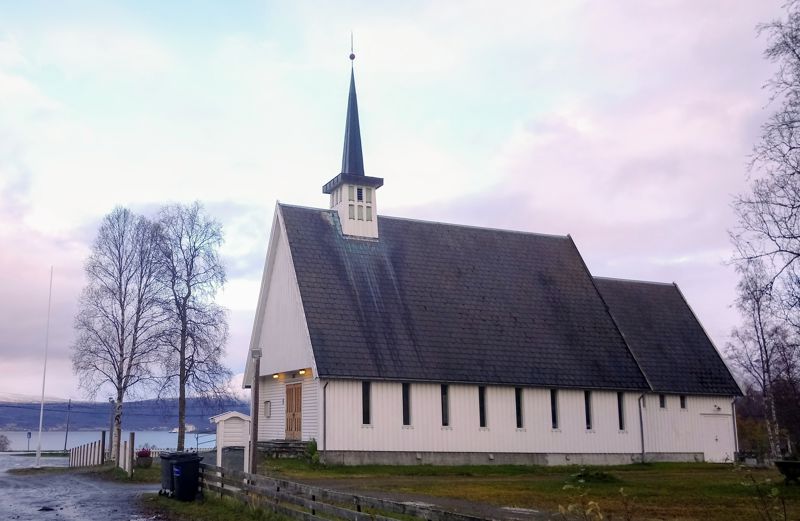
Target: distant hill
[{"x": 153, "y": 415}]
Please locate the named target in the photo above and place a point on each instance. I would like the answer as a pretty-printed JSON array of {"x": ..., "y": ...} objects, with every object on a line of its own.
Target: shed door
[
  {"x": 294, "y": 411},
  {"x": 718, "y": 443}
]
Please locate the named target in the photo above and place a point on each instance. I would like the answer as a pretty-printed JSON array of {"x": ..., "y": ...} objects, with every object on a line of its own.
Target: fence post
[
  {"x": 130, "y": 454},
  {"x": 102, "y": 447}
]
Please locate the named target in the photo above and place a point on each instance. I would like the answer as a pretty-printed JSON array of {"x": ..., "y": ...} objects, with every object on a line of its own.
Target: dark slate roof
[
  {"x": 666, "y": 338},
  {"x": 446, "y": 303}
]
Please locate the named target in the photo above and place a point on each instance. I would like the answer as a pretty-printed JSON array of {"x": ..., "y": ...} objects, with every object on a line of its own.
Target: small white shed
[{"x": 233, "y": 430}]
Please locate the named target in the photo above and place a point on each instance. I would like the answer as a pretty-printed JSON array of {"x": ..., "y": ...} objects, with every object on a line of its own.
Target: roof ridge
[
  {"x": 622, "y": 279},
  {"x": 455, "y": 225}
]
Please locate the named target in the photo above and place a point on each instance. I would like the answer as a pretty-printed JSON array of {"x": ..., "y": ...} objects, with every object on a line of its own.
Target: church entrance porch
[{"x": 294, "y": 411}]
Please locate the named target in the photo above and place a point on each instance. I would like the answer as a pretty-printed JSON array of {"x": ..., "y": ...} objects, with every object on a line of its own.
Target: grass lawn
[
  {"x": 684, "y": 491},
  {"x": 207, "y": 509}
]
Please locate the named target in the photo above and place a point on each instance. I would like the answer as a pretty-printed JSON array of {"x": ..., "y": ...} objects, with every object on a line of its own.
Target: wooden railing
[{"x": 311, "y": 503}]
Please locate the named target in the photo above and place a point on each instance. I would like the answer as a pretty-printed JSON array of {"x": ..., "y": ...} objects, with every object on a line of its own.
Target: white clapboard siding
[
  {"x": 281, "y": 331},
  {"x": 273, "y": 427},
  {"x": 386, "y": 432},
  {"x": 706, "y": 425}
]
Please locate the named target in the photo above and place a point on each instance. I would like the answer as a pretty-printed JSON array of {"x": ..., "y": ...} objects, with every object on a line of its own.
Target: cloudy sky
[{"x": 626, "y": 124}]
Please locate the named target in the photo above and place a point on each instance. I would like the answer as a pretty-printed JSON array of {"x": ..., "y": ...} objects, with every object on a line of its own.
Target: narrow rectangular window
[
  {"x": 369, "y": 213},
  {"x": 482, "y": 405},
  {"x": 350, "y": 193},
  {"x": 662, "y": 401},
  {"x": 406, "y": 404},
  {"x": 360, "y": 213},
  {"x": 518, "y": 405},
  {"x": 368, "y": 194},
  {"x": 359, "y": 194},
  {"x": 683, "y": 401},
  {"x": 445, "y": 407},
  {"x": 587, "y": 406},
  {"x": 352, "y": 212},
  {"x": 621, "y": 410},
  {"x": 366, "y": 416},
  {"x": 554, "y": 408},
  {"x": 268, "y": 409}
]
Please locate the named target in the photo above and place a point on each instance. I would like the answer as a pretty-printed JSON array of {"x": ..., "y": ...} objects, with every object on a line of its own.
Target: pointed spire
[{"x": 352, "y": 157}]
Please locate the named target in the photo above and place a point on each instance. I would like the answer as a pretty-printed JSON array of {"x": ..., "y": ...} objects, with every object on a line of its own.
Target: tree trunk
[
  {"x": 773, "y": 429},
  {"x": 182, "y": 393},
  {"x": 117, "y": 435}
]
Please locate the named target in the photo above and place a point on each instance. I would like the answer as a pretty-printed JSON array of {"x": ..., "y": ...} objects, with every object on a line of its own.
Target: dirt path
[
  {"x": 373, "y": 488},
  {"x": 64, "y": 496}
]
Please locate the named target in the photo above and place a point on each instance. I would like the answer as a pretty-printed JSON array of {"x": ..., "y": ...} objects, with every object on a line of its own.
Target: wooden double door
[{"x": 294, "y": 411}]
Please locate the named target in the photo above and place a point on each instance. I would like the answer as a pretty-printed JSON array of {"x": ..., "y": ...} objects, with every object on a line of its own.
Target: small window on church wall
[
  {"x": 587, "y": 407},
  {"x": 350, "y": 192},
  {"x": 368, "y": 194},
  {"x": 683, "y": 401},
  {"x": 369, "y": 213},
  {"x": 352, "y": 211},
  {"x": 482, "y": 406},
  {"x": 366, "y": 412},
  {"x": 406, "y": 404},
  {"x": 662, "y": 401},
  {"x": 554, "y": 408},
  {"x": 359, "y": 194},
  {"x": 268, "y": 409},
  {"x": 360, "y": 213},
  {"x": 445, "y": 406}
]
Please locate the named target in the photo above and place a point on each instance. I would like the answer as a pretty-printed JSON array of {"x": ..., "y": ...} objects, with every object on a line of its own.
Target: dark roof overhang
[{"x": 354, "y": 179}]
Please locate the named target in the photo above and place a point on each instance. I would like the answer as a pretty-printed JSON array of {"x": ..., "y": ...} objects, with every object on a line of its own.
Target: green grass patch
[
  {"x": 206, "y": 509},
  {"x": 683, "y": 491}
]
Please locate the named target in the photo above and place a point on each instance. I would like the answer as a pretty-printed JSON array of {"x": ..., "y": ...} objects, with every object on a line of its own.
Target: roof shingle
[
  {"x": 666, "y": 338},
  {"x": 447, "y": 303}
]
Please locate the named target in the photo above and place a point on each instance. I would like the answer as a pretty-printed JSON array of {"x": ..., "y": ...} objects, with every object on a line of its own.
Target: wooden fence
[
  {"x": 89, "y": 454},
  {"x": 95, "y": 453},
  {"x": 311, "y": 503}
]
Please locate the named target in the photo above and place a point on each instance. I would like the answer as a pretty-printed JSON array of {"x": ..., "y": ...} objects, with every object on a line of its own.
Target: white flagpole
[{"x": 44, "y": 372}]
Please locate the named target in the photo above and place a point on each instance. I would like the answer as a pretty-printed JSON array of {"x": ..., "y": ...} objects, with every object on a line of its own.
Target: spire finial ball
[{"x": 352, "y": 56}]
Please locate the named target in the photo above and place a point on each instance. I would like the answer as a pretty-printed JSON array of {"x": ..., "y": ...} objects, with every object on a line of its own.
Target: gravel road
[{"x": 64, "y": 496}]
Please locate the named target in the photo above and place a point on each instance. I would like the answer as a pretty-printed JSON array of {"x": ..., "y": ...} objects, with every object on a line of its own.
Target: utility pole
[
  {"x": 66, "y": 434},
  {"x": 44, "y": 371},
  {"x": 254, "y": 417}
]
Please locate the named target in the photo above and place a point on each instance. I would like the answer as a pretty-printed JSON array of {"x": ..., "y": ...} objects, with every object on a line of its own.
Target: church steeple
[
  {"x": 352, "y": 192},
  {"x": 352, "y": 156}
]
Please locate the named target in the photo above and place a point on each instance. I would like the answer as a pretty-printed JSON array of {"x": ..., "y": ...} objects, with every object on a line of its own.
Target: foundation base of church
[{"x": 343, "y": 457}]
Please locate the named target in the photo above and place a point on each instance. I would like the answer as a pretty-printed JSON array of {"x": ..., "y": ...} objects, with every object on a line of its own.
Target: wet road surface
[{"x": 63, "y": 496}]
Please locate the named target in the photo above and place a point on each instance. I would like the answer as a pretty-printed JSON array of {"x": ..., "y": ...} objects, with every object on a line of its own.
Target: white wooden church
[{"x": 392, "y": 340}]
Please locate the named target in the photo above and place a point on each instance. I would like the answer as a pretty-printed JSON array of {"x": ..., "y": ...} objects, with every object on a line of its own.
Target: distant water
[{"x": 54, "y": 440}]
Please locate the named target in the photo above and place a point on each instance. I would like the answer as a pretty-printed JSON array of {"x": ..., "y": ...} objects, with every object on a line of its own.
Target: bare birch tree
[
  {"x": 198, "y": 328},
  {"x": 120, "y": 319},
  {"x": 755, "y": 346}
]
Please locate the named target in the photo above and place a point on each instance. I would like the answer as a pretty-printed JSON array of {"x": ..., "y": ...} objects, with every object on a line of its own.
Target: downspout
[
  {"x": 641, "y": 423},
  {"x": 325, "y": 422},
  {"x": 735, "y": 428}
]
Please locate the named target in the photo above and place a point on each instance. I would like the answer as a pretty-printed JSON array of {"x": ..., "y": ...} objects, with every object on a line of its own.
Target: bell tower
[{"x": 352, "y": 192}]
